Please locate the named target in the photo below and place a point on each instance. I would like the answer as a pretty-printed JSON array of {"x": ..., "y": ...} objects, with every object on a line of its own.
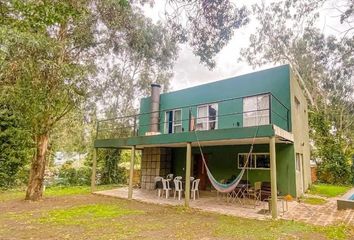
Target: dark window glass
[{"x": 262, "y": 161}]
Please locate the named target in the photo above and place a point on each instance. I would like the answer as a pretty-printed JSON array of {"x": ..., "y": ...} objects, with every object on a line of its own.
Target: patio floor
[
  {"x": 325, "y": 214},
  {"x": 208, "y": 201}
]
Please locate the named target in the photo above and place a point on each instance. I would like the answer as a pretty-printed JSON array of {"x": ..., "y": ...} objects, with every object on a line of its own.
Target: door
[{"x": 199, "y": 171}]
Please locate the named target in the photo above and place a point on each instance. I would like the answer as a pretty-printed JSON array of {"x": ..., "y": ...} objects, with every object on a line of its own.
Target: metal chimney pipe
[{"x": 155, "y": 107}]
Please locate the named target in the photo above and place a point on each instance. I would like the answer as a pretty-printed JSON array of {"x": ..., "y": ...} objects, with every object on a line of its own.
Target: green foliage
[
  {"x": 111, "y": 172},
  {"x": 324, "y": 67},
  {"x": 69, "y": 175},
  {"x": 207, "y": 25},
  {"x": 15, "y": 148},
  {"x": 334, "y": 165},
  {"x": 327, "y": 190}
]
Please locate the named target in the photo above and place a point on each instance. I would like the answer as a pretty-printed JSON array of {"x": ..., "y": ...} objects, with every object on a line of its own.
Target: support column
[
  {"x": 273, "y": 177},
  {"x": 188, "y": 175},
  {"x": 132, "y": 159},
  {"x": 94, "y": 166}
]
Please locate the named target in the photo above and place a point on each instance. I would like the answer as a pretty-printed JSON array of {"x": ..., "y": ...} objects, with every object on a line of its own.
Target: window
[
  {"x": 207, "y": 117},
  {"x": 298, "y": 160},
  {"x": 173, "y": 121},
  {"x": 242, "y": 158},
  {"x": 256, "y": 161},
  {"x": 256, "y": 110}
]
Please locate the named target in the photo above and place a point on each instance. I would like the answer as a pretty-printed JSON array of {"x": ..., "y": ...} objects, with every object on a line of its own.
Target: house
[{"x": 266, "y": 108}]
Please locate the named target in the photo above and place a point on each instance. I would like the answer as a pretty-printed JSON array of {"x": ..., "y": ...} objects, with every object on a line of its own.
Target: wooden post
[
  {"x": 273, "y": 177},
  {"x": 188, "y": 175},
  {"x": 132, "y": 158},
  {"x": 94, "y": 166}
]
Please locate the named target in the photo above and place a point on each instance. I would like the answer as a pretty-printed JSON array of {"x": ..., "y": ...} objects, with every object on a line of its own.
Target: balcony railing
[{"x": 229, "y": 115}]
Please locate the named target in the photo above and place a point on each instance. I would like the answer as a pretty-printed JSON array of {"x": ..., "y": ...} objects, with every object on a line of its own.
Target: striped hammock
[{"x": 225, "y": 187}]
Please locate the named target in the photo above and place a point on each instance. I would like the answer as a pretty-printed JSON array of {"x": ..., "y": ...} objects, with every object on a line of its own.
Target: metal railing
[{"x": 228, "y": 115}]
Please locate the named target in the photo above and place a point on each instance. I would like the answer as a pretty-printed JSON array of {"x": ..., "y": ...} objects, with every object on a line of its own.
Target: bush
[
  {"x": 331, "y": 149},
  {"x": 335, "y": 167},
  {"x": 69, "y": 175},
  {"x": 110, "y": 172}
]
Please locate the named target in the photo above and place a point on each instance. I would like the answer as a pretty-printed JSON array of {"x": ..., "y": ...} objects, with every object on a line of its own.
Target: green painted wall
[
  {"x": 275, "y": 80},
  {"x": 222, "y": 162}
]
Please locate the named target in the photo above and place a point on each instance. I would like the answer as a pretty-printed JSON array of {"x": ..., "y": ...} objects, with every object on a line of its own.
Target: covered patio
[{"x": 268, "y": 136}]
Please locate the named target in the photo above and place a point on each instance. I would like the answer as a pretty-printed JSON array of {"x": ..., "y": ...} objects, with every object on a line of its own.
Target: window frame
[
  {"x": 166, "y": 122},
  {"x": 173, "y": 121},
  {"x": 254, "y": 157},
  {"x": 256, "y": 112},
  {"x": 207, "y": 121}
]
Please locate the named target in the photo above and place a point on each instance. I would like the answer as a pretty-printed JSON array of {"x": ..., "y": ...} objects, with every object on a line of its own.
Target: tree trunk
[{"x": 35, "y": 183}]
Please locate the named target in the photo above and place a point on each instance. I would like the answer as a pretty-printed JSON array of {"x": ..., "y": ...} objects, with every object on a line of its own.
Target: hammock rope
[{"x": 226, "y": 187}]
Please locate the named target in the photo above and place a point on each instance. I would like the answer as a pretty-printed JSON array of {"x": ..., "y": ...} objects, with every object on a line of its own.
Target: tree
[
  {"x": 206, "y": 25},
  {"x": 53, "y": 52},
  {"x": 38, "y": 47},
  {"x": 15, "y": 145},
  {"x": 324, "y": 65}
]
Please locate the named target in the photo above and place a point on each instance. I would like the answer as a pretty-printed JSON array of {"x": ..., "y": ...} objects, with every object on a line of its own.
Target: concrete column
[
  {"x": 94, "y": 166},
  {"x": 131, "y": 173},
  {"x": 188, "y": 175},
  {"x": 273, "y": 177}
]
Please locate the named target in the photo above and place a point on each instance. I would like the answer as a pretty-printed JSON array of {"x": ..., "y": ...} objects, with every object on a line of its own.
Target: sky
[{"x": 189, "y": 72}]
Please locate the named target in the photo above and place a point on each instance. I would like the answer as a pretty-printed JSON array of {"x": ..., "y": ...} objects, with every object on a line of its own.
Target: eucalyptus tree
[
  {"x": 206, "y": 25},
  {"x": 52, "y": 54},
  {"x": 44, "y": 61},
  {"x": 324, "y": 65}
]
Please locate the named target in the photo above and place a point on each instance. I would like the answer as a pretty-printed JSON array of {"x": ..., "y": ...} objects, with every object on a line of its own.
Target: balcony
[{"x": 263, "y": 110}]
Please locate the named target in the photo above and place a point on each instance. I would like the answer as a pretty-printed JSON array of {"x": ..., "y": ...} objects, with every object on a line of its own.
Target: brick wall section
[
  {"x": 313, "y": 173},
  {"x": 155, "y": 162}
]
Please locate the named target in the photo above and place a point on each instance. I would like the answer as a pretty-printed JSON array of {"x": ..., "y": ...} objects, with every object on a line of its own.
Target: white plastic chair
[
  {"x": 169, "y": 176},
  {"x": 195, "y": 188},
  {"x": 191, "y": 179},
  {"x": 178, "y": 178},
  {"x": 166, "y": 187},
  {"x": 157, "y": 179},
  {"x": 178, "y": 188}
]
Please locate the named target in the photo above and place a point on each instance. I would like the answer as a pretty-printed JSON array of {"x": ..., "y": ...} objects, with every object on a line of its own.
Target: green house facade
[{"x": 266, "y": 109}]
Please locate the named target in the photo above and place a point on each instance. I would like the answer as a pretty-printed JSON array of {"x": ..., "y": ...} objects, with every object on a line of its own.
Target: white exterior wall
[{"x": 300, "y": 130}]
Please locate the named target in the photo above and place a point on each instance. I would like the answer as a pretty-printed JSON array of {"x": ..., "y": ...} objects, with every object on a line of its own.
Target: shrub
[
  {"x": 68, "y": 175},
  {"x": 110, "y": 172},
  {"x": 335, "y": 162}
]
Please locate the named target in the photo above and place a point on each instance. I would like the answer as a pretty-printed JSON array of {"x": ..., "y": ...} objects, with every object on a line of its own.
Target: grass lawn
[
  {"x": 326, "y": 190},
  {"x": 71, "y": 213},
  {"x": 313, "y": 200},
  {"x": 51, "y": 192}
]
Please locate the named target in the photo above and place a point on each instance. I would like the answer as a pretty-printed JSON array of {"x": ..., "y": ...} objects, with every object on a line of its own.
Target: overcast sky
[{"x": 189, "y": 72}]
